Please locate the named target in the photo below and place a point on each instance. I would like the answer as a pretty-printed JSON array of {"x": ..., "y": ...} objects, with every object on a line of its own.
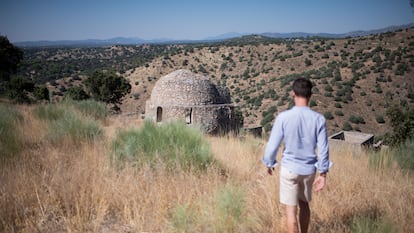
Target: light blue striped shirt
[{"x": 303, "y": 130}]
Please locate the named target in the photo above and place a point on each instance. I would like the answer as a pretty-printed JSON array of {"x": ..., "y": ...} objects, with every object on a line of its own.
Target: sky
[{"x": 33, "y": 20}]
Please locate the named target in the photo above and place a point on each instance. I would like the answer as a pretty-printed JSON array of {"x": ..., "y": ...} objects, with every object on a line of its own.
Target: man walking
[{"x": 303, "y": 130}]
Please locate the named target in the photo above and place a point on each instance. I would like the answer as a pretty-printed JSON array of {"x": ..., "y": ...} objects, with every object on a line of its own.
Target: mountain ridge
[{"x": 221, "y": 37}]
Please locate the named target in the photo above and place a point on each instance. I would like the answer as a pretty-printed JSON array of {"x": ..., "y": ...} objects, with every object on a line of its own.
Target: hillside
[{"x": 356, "y": 78}]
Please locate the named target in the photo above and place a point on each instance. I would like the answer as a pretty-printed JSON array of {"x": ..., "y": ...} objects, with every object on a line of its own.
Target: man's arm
[
  {"x": 272, "y": 146},
  {"x": 323, "y": 156},
  {"x": 323, "y": 148}
]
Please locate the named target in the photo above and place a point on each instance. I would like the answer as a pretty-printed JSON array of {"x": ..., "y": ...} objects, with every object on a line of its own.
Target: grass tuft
[
  {"x": 67, "y": 124},
  {"x": 10, "y": 138},
  {"x": 174, "y": 143},
  {"x": 90, "y": 108},
  {"x": 371, "y": 224},
  {"x": 230, "y": 206}
]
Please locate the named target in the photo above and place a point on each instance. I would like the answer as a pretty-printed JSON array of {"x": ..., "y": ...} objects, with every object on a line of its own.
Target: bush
[
  {"x": 380, "y": 119},
  {"x": 174, "y": 143},
  {"x": 347, "y": 126},
  {"x": 65, "y": 123},
  {"x": 229, "y": 203},
  {"x": 90, "y": 108},
  {"x": 402, "y": 123},
  {"x": 10, "y": 139},
  {"x": 339, "y": 113},
  {"x": 76, "y": 93},
  {"x": 328, "y": 116},
  {"x": 183, "y": 219},
  {"x": 338, "y": 105},
  {"x": 313, "y": 103},
  {"x": 356, "y": 119},
  {"x": 404, "y": 155},
  {"x": 371, "y": 223}
]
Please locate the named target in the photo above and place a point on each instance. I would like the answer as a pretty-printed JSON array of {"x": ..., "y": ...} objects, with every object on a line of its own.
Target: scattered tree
[
  {"x": 41, "y": 92},
  {"x": 18, "y": 89},
  {"x": 108, "y": 88},
  {"x": 76, "y": 93}
]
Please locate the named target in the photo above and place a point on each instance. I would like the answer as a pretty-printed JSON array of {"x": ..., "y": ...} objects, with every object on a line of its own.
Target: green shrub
[
  {"x": 183, "y": 219},
  {"x": 380, "y": 119},
  {"x": 173, "y": 143},
  {"x": 328, "y": 115},
  {"x": 229, "y": 204},
  {"x": 50, "y": 112},
  {"x": 313, "y": 103},
  {"x": 339, "y": 113},
  {"x": 77, "y": 129},
  {"x": 64, "y": 122},
  {"x": 10, "y": 138},
  {"x": 90, "y": 108},
  {"x": 404, "y": 155},
  {"x": 347, "y": 126},
  {"x": 356, "y": 119},
  {"x": 371, "y": 224}
]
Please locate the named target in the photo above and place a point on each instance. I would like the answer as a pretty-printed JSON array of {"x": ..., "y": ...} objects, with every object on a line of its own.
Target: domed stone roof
[{"x": 185, "y": 88}]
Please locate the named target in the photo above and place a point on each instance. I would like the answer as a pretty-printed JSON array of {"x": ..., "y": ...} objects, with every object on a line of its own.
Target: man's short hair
[{"x": 302, "y": 87}]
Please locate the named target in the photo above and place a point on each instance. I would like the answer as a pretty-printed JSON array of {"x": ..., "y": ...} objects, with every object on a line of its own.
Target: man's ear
[{"x": 292, "y": 93}]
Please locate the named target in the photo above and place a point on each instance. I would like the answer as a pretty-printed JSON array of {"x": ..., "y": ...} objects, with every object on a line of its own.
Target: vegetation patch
[
  {"x": 10, "y": 138},
  {"x": 371, "y": 223},
  {"x": 173, "y": 143},
  {"x": 66, "y": 123}
]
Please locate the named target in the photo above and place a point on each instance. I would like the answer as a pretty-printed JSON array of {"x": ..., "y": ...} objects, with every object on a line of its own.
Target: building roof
[{"x": 185, "y": 88}]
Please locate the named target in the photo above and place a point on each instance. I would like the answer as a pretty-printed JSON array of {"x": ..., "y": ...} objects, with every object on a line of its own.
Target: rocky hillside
[{"x": 355, "y": 79}]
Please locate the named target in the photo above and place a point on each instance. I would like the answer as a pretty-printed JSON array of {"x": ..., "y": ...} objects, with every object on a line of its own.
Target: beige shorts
[{"x": 295, "y": 187}]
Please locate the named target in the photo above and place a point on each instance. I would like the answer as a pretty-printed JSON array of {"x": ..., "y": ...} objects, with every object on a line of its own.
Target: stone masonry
[{"x": 193, "y": 98}]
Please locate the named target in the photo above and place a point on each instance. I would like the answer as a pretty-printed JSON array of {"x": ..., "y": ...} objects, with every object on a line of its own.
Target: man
[{"x": 302, "y": 130}]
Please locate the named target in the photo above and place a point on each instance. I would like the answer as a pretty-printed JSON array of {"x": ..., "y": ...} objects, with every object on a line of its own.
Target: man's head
[{"x": 302, "y": 87}]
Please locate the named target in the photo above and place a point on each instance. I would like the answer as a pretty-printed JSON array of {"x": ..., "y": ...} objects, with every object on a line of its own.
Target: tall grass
[
  {"x": 172, "y": 143},
  {"x": 404, "y": 155},
  {"x": 90, "y": 108},
  {"x": 74, "y": 188},
  {"x": 10, "y": 134},
  {"x": 370, "y": 223},
  {"x": 65, "y": 123}
]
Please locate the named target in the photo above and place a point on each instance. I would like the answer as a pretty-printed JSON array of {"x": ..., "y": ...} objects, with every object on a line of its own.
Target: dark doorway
[
  {"x": 159, "y": 114},
  {"x": 188, "y": 115}
]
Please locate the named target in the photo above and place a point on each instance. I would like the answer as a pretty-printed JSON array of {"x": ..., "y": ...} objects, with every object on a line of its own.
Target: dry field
[{"x": 69, "y": 187}]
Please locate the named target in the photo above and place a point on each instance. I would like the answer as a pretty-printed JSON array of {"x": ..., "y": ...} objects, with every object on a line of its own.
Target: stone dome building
[{"x": 193, "y": 98}]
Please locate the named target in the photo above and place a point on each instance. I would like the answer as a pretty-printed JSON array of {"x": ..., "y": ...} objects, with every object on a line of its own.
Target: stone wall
[{"x": 193, "y": 98}]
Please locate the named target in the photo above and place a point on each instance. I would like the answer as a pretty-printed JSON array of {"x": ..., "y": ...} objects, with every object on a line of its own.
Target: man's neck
[{"x": 301, "y": 101}]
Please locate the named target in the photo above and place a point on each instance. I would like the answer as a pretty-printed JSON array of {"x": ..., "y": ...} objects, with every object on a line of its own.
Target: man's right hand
[
  {"x": 270, "y": 170},
  {"x": 319, "y": 183}
]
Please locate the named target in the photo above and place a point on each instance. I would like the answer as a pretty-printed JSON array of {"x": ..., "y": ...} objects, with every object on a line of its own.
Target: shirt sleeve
[
  {"x": 272, "y": 146},
  {"x": 323, "y": 148}
]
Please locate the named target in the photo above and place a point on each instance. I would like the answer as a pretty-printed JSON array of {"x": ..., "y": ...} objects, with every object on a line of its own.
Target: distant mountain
[
  {"x": 82, "y": 43},
  {"x": 340, "y": 35},
  {"x": 222, "y": 37},
  {"x": 226, "y": 36}
]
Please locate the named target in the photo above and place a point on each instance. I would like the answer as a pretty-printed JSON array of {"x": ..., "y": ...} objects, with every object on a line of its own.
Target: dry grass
[{"x": 74, "y": 188}]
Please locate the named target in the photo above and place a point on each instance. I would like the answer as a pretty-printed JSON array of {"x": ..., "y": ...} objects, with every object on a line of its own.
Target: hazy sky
[{"x": 28, "y": 20}]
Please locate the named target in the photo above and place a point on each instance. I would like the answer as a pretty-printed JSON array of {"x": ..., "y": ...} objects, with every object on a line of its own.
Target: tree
[
  {"x": 76, "y": 93},
  {"x": 18, "y": 88},
  {"x": 402, "y": 123},
  {"x": 108, "y": 87},
  {"x": 10, "y": 57},
  {"x": 41, "y": 92}
]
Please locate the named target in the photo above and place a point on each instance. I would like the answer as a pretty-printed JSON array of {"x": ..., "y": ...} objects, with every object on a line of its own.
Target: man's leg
[
  {"x": 291, "y": 220},
  {"x": 304, "y": 216}
]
